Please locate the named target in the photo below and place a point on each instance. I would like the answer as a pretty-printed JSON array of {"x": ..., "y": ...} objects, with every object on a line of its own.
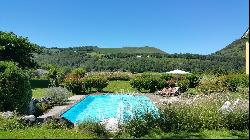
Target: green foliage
[
  {"x": 17, "y": 49},
  {"x": 126, "y": 76},
  {"x": 166, "y": 77},
  {"x": 171, "y": 83},
  {"x": 193, "y": 114},
  {"x": 78, "y": 72},
  {"x": 41, "y": 108},
  {"x": 129, "y": 50},
  {"x": 80, "y": 86},
  {"x": 123, "y": 60},
  {"x": 75, "y": 86},
  {"x": 184, "y": 85},
  {"x": 140, "y": 125},
  {"x": 97, "y": 82},
  {"x": 212, "y": 84},
  {"x": 204, "y": 134},
  {"x": 55, "y": 123},
  {"x": 137, "y": 83},
  {"x": 93, "y": 128},
  {"x": 57, "y": 95},
  {"x": 148, "y": 82},
  {"x": 236, "y": 48},
  {"x": 153, "y": 83},
  {"x": 55, "y": 76},
  {"x": 43, "y": 133},
  {"x": 11, "y": 123},
  {"x": 236, "y": 80},
  {"x": 242, "y": 117},
  {"x": 203, "y": 114},
  {"x": 230, "y": 82},
  {"x": 193, "y": 80},
  {"x": 15, "y": 90}
]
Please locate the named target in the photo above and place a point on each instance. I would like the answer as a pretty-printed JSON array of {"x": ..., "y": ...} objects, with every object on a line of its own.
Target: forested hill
[
  {"x": 236, "y": 49},
  {"x": 107, "y": 51},
  {"x": 130, "y": 50},
  {"x": 93, "y": 58}
]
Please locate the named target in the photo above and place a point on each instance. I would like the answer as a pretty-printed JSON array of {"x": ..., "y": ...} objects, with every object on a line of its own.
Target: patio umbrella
[{"x": 178, "y": 72}]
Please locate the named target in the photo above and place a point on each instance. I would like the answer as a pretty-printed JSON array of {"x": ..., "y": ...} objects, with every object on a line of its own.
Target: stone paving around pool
[{"x": 56, "y": 111}]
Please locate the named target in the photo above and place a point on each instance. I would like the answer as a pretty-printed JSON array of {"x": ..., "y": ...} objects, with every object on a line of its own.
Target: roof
[{"x": 246, "y": 34}]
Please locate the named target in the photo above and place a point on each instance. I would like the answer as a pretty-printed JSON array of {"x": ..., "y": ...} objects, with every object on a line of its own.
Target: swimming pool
[{"x": 96, "y": 108}]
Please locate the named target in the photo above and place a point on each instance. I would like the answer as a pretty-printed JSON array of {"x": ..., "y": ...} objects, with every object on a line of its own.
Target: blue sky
[{"x": 175, "y": 26}]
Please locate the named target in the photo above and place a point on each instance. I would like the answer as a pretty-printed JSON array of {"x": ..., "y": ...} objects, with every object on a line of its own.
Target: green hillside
[
  {"x": 129, "y": 50},
  {"x": 235, "y": 49},
  {"x": 152, "y": 59}
]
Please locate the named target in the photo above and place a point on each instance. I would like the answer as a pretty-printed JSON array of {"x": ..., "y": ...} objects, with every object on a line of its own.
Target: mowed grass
[
  {"x": 38, "y": 92},
  {"x": 113, "y": 87},
  {"x": 43, "y": 133},
  {"x": 119, "y": 86},
  {"x": 206, "y": 134}
]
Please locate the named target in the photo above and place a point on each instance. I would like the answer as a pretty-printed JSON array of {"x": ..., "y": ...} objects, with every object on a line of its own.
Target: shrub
[
  {"x": 235, "y": 81},
  {"x": 97, "y": 82},
  {"x": 80, "y": 86},
  {"x": 183, "y": 84},
  {"x": 120, "y": 76},
  {"x": 15, "y": 90},
  {"x": 193, "y": 80},
  {"x": 10, "y": 123},
  {"x": 212, "y": 84},
  {"x": 153, "y": 83},
  {"x": 166, "y": 77},
  {"x": 148, "y": 82},
  {"x": 55, "y": 123},
  {"x": 137, "y": 83},
  {"x": 96, "y": 129},
  {"x": 237, "y": 120},
  {"x": 114, "y": 75},
  {"x": 78, "y": 72},
  {"x": 75, "y": 86},
  {"x": 171, "y": 83},
  {"x": 202, "y": 113},
  {"x": 57, "y": 95},
  {"x": 41, "y": 107},
  {"x": 55, "y": 76},
  {"x": 140, "y": 125}
]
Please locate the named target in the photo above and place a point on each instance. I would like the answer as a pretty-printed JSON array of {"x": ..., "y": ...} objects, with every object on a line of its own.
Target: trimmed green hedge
[{"x": 39, "y": 83}]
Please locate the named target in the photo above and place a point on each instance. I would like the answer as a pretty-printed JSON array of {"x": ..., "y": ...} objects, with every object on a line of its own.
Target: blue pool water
[{"x": 120, "y": 106}]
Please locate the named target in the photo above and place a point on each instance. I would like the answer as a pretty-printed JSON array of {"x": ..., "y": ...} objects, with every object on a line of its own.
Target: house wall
[{"x": 247, "y": 57}]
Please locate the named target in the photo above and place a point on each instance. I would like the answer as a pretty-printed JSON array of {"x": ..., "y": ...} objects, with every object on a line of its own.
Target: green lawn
[
  {"x": 42, "y": 133},
  {"x": 119, "y": 86},
  {"x": 41, "y": 92},
  {"x": 38, "y": 92},
  {"x": 206, "y": 134}
]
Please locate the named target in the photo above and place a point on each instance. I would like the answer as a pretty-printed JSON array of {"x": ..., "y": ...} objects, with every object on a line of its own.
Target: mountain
[
  {"x": 236, "y": 49},
  {"x": 93, "y": 58},
  {"x": 130, "y": 50}
]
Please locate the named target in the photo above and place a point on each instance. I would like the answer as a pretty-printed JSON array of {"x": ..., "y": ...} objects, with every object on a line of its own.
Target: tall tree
[{"x": 17, "y": 49}]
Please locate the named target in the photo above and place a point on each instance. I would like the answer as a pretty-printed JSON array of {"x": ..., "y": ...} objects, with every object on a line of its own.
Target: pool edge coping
[{"x": 59, "y": 115}]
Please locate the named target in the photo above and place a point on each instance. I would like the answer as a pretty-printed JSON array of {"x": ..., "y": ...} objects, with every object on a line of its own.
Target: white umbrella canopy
[{"x": 178, "y": 72}]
